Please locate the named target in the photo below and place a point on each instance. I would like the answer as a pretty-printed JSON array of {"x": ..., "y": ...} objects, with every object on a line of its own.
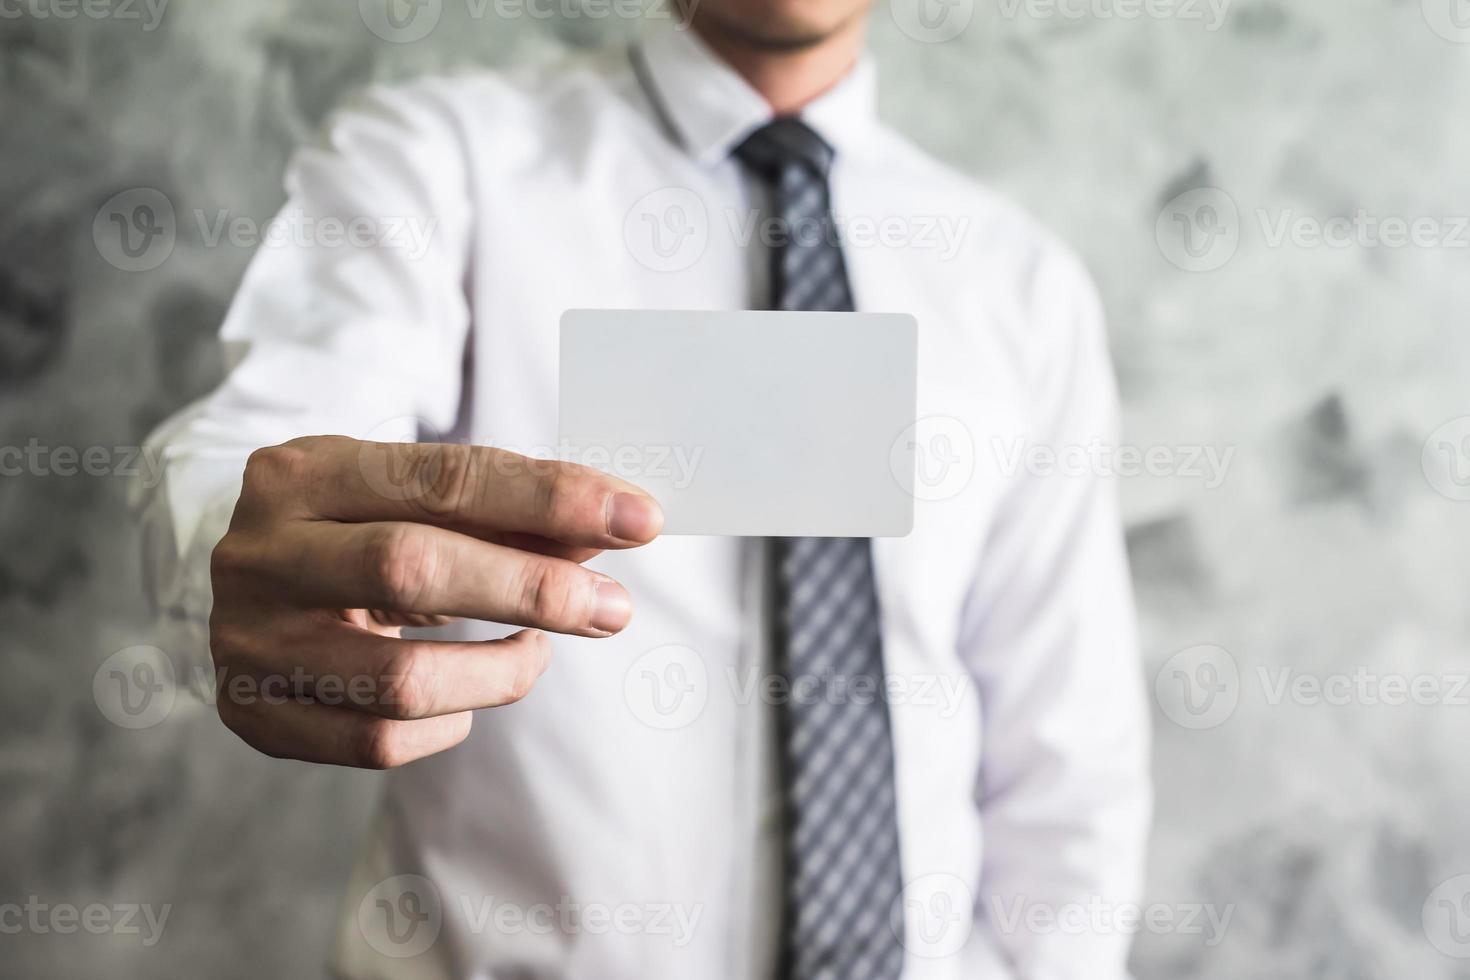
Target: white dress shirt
[{"x": 620, "y": 821}]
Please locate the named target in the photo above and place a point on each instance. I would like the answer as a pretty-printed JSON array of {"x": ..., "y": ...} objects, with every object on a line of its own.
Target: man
[{"x": 638, "y": 799}]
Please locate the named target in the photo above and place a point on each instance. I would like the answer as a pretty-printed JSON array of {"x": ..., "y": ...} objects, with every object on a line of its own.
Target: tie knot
[{"x": 784, "y": 143}]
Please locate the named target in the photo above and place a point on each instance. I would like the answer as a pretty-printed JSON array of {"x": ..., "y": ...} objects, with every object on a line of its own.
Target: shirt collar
[{"x": 712, "y": 109}]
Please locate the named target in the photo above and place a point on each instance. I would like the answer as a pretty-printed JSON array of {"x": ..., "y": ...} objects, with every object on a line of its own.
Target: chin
[{"x": 778, "y": 24}]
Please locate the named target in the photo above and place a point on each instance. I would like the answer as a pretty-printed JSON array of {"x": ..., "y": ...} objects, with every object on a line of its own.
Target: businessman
[{"x": 600, "y": 794}]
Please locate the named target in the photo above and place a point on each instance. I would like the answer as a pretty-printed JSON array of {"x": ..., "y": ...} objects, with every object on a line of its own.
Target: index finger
[{"x": 478, "y": 490}]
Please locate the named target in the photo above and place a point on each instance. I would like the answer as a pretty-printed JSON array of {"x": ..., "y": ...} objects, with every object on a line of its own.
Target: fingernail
[
  {"x": 634, "y": 517},
  {"x": 612, "y": 607}
]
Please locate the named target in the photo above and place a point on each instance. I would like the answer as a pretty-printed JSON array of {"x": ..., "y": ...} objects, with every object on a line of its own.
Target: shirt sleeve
[
  {"x": 1049, "y": 634},
  {"x": 352, "y": 319}
]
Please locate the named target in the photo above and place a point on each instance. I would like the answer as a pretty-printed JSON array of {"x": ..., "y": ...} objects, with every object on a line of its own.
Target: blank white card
[{"x": 767, "y": 424}]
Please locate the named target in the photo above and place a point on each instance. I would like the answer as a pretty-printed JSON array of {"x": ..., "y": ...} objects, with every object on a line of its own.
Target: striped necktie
[{"x": 842, "y": 876}]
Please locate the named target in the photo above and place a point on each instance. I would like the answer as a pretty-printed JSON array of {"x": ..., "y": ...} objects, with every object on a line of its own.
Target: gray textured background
[{"x": 1327, "y": 549}]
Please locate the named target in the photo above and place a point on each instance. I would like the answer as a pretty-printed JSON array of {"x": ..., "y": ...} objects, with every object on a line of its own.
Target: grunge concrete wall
[{"x": 1268, "y": 194}]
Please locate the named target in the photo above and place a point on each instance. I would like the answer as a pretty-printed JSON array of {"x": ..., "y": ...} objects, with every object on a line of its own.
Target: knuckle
[
  {"x": 408, "y": 684},
  {"x": 225, "y": 640},
  {"x": 551, "y": 594},
  {"x": 230, "y": 556},
  {"x": 273, "y": 467},
  {"x": 238, "y": 565},
  {"x": 447, "y": 483},
  {"x": 272, "y": 476},
  {"x": 558, "y": 492},
  {"x": 401, "y": 566},
  {"x": 234, "y": 717},
  {"x": 523, "y": 677},
  {"x": 378, "y": 745}
]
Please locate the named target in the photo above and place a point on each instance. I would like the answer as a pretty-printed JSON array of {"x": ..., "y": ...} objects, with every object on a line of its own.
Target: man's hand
[{"x": 336, "y": 544}]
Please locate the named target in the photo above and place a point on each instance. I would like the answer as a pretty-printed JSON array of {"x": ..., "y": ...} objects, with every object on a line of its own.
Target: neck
[{"x": 786, "y": 77}]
